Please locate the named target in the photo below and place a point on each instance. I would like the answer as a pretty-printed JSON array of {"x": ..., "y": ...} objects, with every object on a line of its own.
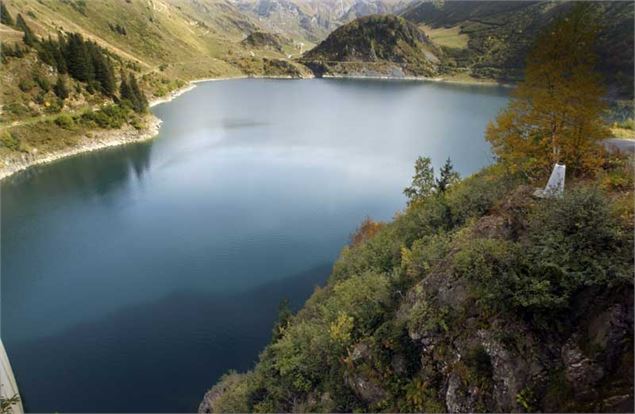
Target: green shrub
[
  {"x": 476, "y": 195},
  {"x": 423, "y": 254},
  {"x": 65, "y": 121},
  {"x": 17, "y": 109},
  {"x": 26, "y": 85},
  {"x": 110, "y": 116},
  {"x": 10, "y": 141},
  {"x": 423, "y": 317},
  {"x": 42, "y": 82},
  {"x": 579, "y": 237},
  {"x": 572, "y": 243}
]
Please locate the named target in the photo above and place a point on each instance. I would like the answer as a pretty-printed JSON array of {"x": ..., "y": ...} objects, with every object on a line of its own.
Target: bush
[
  {"x": 108, "y": 117},
  {"x": 579, "y": 237},
  {"x": 42, "y": 82},
  {"x": 65, "y": 121},
  {"x": 474, "y": 196},
  {"x": 17, "y": 109},
  {"x": 26, "y": 85},
  {"x": 423, "y": 254},
  {"x": 572, "y": 243},
  {"x": 10, "y": 141}
]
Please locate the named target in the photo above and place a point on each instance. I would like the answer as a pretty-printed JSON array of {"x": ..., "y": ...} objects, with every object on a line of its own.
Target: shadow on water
[
  {"x": 134, "y": 353},
  {"x": 90, "y": 174}
]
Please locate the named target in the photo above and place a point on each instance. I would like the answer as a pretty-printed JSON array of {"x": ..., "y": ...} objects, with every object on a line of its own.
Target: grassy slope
[
  {"x": 500, "y": 34},
  {"x": 166, "y": 42},
  {"x": 438, "y": 310}
]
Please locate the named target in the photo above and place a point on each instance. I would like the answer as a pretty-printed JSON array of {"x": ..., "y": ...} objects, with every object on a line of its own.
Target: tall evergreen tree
[
  {"x": 5, "y": 17},
  {"x": 447, "y": 176},
  {"x": 29, "y": 37},
  {"x": 60, "y": 58},
  {"x": 125, "y": 93},
  {"x": 140, "y": 103},
  {"x": 104, "y": 73},
  {"x": 78, "y": 59}
]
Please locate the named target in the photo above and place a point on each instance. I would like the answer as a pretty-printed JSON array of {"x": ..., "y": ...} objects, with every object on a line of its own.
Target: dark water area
[{"x": 133, "y": 277}]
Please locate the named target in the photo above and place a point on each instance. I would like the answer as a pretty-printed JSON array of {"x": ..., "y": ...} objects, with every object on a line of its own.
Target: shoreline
[
  {"x": 101, "y": 139},
  {"x": 423, "y": 79}
]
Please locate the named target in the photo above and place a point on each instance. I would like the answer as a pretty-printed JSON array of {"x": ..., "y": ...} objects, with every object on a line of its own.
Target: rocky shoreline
[{"x": 100, "y": 139}]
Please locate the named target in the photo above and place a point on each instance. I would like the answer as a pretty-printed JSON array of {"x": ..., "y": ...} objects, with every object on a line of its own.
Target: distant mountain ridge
[{"x": 310, "y": 21}]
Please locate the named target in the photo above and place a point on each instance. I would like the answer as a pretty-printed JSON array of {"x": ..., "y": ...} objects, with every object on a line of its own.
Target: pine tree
[
  {"x": 5, "y": 17},
  {"x": 60, "y": 88},
  {"x": 556, "y": 113},
  {"x": 107, "y": 78},
  {"x": 140, "y": 103},
  {"x": 125, "y": 93},
  {"x": 104, "y": 73},
  {"x": 77, "y": 59},
  {"x": 28, "y": 38},
  {"x": 447, "y": 176},
  {"x": 60, "y": 58}
]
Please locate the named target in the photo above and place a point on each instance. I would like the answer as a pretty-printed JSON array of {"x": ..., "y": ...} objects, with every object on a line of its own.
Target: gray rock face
[
  {"x": 366, "y": 388},
  {"x": 361, "y": 381},
  {"x": 460, "y": 398},
  {"x": 582, "y": 372}
]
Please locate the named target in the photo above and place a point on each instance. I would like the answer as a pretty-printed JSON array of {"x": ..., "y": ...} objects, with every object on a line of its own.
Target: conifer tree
[
  {"x": 5, "y": 17},
  {"x": 104, "y": 73},
  {"x": 140, "y": 103},
  {"x": 28, "y": 38},
  {"x": 60, "y": 88},
  {"x": 447, "y": 176},
  {"x": 125, "y": 93},
  {"x": 77, "y": 59}
]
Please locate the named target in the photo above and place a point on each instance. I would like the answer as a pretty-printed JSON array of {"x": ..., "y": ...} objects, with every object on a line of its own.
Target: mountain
[
  {"x": 375, "y": 45},
  {"x": 491, "y": 39},
  {"x": 310, "y": 21}
]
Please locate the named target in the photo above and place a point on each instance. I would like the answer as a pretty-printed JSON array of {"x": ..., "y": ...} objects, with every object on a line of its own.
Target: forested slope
[{"x": 500, "y": 34}]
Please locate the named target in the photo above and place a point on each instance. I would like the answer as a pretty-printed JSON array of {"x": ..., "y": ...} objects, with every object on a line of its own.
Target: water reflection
[
  {"x": 138, "y": 356},
  {"x": 86, "y": 175}
]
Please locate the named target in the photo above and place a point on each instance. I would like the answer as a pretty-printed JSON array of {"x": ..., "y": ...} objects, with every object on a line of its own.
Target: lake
[{"x": 133, "y": 277}]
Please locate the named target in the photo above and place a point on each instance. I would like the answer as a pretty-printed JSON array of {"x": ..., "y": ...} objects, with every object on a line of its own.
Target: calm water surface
[{"x": 132, "y": 278}]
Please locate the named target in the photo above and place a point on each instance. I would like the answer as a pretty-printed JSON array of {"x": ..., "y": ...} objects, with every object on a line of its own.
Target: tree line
[{"x": 81, "y": 59}]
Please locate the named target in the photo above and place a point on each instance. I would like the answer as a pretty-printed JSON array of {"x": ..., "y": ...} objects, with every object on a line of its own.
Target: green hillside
[
  {"x": 500, "y": 33},
  {"x": 440, "y": 311},
  {"x": 375, "y": 45}
]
